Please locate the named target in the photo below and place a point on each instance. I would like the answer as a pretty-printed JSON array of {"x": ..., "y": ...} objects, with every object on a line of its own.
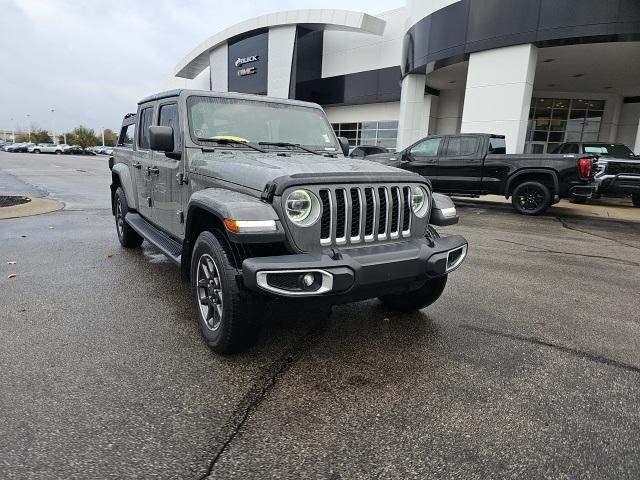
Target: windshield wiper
[
  {"x": 288, "y": 144},
  {"x": 224, "y": 141}
]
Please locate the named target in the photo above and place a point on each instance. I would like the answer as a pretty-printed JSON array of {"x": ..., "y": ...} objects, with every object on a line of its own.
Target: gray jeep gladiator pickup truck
[{"x": 254, "y": 199}]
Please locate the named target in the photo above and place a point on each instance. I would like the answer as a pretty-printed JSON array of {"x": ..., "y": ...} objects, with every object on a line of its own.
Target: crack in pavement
[
  {"x": 562, "y": 348},
  {"x": 261, "y": 387},
  {"x": 535, "y": 249},
  {"x": 569, "y": 227}
]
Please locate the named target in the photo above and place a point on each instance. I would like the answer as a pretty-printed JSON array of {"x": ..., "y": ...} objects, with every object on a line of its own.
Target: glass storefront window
[
  {"x": 381, "y": 133},
  {"x": 556, "y": 120}
]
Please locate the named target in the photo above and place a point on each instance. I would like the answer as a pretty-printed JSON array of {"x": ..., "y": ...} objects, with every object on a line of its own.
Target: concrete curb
[
  {"x": 37, "y": 206},
  {"x": 564, "y": 209}
]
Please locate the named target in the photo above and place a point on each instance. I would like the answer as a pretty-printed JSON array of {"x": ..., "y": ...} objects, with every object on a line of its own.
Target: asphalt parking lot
[{"x": 527, "y": 367}]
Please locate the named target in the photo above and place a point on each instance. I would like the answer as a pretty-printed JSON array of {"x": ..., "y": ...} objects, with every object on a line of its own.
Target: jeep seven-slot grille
[{"x": 354, "y": 214}]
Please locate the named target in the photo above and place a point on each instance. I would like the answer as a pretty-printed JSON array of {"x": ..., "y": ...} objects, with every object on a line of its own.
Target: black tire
[
  {"x": 416, "y": 299},
  {"x": 531, "y": 198},
  {"x": 128, "y": 237},
  {"x": 58, "y": 152},
  {"x": 578, "y": 201},
  {"x": 635, "y": 198},
  {"x": 36, "y": 151},
  {"x": 227, "y": 314}
]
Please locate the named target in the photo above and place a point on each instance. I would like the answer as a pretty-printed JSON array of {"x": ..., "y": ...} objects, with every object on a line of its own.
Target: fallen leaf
[
  {"x": 11, "y": 263},
  {"x": 109, "y": 254},
  {"x": 23, "y": 236},
  {"x": 11, "y": 275}
]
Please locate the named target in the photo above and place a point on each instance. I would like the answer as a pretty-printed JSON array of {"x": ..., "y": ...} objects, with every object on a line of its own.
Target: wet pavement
[{"x": 527, "y": 367}]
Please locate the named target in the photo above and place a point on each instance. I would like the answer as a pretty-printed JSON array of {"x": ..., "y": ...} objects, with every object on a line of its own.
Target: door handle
[
  {"x": 153, "y": 170},
  {"x": 137, "y": 165}
]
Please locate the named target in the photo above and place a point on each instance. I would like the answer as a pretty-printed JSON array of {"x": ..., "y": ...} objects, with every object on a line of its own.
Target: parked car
[
  {"x": 7, "y": 147},
  {"x": 21, "y": 147},
  {"x": 476, "y": 164},
  {"x": 362, "y": 151},
  {"x": 253, "y": 213},
  {"x": 617, "y": 169},
  {"x": 73, "y": 150},
  {"x": 46, "y": 148}
]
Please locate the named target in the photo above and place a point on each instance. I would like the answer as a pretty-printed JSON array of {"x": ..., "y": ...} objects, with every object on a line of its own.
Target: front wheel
[
  {"x": 227, "y": 315},
  {"x": 416, "y": 299},
  {"x": 635, "y": 198},
  {"x": 36, "y": 151},
  {"x": 531, "y": 198}
]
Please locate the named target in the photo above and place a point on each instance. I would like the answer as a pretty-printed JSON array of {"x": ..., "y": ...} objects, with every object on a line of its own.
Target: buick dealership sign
[{"x": 245, "y": 60}]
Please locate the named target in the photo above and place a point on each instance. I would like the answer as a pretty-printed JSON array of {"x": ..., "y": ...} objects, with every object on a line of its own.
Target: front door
[
  {"x": 141, "y": 163},
  {"x": 460, "y": 166},
  {"x": 167, "y": 188},
  {"x": 422, "y": 158}
]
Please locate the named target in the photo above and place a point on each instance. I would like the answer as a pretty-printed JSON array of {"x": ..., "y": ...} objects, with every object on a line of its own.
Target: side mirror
[
  {"x": 443, "y": 211},
  {"x": 161, "y": 138},
  {"x": 344, "y": 143}
]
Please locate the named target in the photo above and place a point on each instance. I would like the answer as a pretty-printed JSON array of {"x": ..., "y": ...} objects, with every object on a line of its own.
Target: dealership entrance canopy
[{"x": 538, "y": 71}]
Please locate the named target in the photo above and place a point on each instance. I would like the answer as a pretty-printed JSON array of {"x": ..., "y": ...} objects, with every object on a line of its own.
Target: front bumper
[
  {"x": 620, "y": 184},
  {"x": 356, "y": 273}
]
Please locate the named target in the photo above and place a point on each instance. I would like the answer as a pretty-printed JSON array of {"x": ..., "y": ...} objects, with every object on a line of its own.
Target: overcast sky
[{"x": 92, "y": 60}]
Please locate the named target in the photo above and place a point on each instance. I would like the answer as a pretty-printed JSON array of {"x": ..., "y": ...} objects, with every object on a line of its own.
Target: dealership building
[{"x": 540, "y": 72}]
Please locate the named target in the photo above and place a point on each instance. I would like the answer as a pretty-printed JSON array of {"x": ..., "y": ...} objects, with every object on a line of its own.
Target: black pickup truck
[
  {"x": 476, "y": 164},
  {"x": 617, "y": 173}
]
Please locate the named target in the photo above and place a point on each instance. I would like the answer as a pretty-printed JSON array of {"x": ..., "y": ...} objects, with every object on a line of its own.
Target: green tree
[
  {"x": 22, "y": 137},
  {"x": 40, "y": 135},
  {"x": 110, "y": 137},
  {"x": 83, "y": 136}
]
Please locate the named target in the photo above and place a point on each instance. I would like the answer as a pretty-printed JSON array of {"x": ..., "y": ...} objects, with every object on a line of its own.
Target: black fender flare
[{"x": 526, "y": 171}]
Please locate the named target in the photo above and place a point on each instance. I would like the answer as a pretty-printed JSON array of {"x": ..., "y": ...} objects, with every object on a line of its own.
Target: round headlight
[
  {"x": 300, "y": 205},
  {"x": 419, "y": 201}
]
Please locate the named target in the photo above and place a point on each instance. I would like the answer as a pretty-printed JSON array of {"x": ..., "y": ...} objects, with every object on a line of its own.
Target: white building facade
[{"x": 540, "y": 72}]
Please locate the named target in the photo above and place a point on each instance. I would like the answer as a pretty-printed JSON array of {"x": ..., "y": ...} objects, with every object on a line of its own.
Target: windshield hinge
[{"x": 268, "y": 192}]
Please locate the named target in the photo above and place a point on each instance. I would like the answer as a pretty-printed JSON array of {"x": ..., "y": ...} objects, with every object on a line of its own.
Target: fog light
[{"x": 308, "y": 279}]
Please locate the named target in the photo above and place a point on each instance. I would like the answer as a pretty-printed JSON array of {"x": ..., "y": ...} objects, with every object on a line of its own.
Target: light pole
[
  {"x": 53, "y": 125},
  {"x": 103, "y": 137},
  {"x": 29, "y": 126},
  {"x": 13, "y": 129}
]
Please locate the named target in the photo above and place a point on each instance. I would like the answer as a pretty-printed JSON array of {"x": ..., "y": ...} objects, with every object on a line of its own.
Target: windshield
[
  {"x": 256, "y": 121},
  {"x": 613, "y": 150}
]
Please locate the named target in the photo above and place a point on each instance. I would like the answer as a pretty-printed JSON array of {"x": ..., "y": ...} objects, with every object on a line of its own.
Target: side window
[
  {"x": 461, "y": 146},
  {"x": 146, "y": 116},
  {"x": 127, "y": 136},
  {"x": 427, "y": 148},
  {"x": 169, "y": 118}
]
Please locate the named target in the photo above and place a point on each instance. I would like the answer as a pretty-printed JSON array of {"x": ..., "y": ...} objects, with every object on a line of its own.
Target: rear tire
[
  {"x": 36, "y": 151},
  {"x": 227, "y": 314},
  {"x": 416, "y": 299},
  {"x": 531, "y": 198},
  {"x": 635, "y": 198},
  {"x": 128, "y": 237}
]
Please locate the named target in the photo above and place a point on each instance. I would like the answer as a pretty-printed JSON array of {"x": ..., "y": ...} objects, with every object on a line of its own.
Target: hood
[
  {"x": 255, "y": 170},
  {"x": 631, "y": 160}
]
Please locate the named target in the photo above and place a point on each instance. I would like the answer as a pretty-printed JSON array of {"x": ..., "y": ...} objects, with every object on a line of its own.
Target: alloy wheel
[
  {"x": 209, "y": 291},
  {"x": 531, "y": 198},
  {"x": 119, "y": 217}
]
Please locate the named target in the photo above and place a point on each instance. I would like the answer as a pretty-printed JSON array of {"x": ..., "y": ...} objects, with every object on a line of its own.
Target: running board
[{"x": 161, "y": 240}]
